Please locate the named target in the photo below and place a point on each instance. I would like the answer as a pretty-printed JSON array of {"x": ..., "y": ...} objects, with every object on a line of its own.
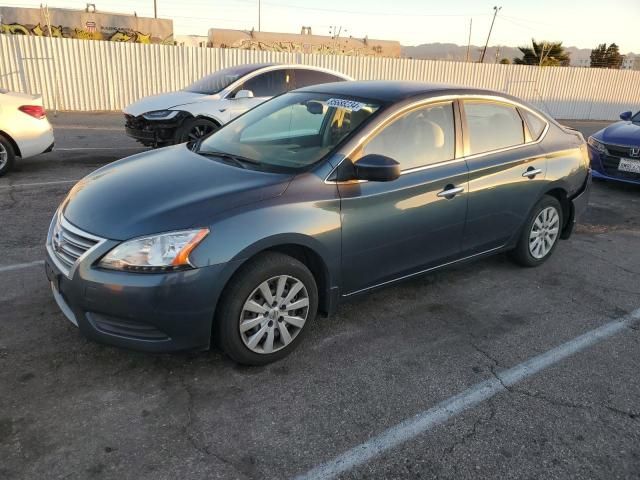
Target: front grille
[
  {"x": 619, "y": 150},
  {"x": 68, "y": 243}
]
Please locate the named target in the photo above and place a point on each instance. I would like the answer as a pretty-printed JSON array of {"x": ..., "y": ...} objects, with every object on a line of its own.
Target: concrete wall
[{"x": 94, "y": 75}]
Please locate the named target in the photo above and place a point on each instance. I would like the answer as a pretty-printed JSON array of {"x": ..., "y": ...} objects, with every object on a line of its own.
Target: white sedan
[
  {"x": 24, "y": 128},
  {"x": 204, "y": 106}
]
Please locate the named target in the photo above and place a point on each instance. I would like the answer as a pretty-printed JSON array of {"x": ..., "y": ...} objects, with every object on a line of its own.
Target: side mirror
[
  {"x": 244, "y": 94},
  {"x": 315, "y": 108},
  {"x": 376, "y": 168},
  {"x": 626, "y": 116}
]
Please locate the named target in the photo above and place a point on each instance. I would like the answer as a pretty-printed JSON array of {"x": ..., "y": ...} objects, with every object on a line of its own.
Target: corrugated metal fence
[{"x": 94, "y": 75}]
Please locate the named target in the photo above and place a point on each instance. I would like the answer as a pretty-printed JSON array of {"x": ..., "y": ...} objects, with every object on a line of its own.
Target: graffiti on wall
[
  {"x": 335, "y": 48},
  {"x": 112, "y": 34}
]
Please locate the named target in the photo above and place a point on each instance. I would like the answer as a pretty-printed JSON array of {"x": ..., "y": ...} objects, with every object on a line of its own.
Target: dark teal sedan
[{"x": 323, "y": 193}]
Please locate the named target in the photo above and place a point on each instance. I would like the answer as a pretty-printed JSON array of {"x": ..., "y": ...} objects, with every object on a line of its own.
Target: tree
[
  {"x": 606, "y": 57},
  {"x": 505, "y": 61},
  {"x": 544, "y": 54}
]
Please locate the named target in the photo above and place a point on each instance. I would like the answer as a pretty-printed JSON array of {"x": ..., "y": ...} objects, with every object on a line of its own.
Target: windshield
[
  {"x": 636, "y": 118},
  {"x": 292, "y": 131},
  {"x": 220, "y": 80}
]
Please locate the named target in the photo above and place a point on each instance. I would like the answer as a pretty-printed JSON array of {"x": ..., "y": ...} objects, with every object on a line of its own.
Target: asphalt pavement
[{"x": 70, "y": 408}]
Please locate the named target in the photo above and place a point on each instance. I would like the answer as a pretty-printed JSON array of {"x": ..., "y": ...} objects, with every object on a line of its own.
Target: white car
[
  {"x": 204, "y": 106},
  {"x": 24, "y": 128}
]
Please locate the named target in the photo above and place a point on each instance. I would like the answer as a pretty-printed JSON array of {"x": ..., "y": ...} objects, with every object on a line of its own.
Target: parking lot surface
[{"x": 70, "y": 408}]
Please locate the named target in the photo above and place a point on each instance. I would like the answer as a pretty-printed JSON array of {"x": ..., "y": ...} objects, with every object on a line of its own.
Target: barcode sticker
[{"x": 347, "y": 104}]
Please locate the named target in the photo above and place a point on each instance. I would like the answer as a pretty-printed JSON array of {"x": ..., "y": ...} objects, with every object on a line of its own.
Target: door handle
[
  {"x": 450, "y": 191},
  {"x": 532, "y": 172}
]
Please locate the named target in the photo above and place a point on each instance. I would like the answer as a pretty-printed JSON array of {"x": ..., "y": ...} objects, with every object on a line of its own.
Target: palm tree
[{"x": 544, "y": 54}]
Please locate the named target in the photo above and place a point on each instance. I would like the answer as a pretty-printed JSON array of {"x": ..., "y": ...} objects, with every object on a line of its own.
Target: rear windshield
[{"x": 220, "y": 80}]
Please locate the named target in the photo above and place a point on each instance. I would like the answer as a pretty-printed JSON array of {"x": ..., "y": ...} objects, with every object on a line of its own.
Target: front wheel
[
  {"x": 265, "y": 309},
  {"x": 541, "y": 233},
  {"x": 196, "y": 129}
]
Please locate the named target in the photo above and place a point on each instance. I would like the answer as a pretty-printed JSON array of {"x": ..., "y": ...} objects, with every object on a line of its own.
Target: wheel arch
[
  {"x": 561, "y": 195},
  {"x": 304, "y": 249},
  {"x": 13, "y": 143}
]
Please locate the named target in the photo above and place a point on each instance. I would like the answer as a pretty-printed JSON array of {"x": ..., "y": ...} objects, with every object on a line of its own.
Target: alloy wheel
[
  {"x": 544, "y": 232},
  {"x": 199, "y": 131},
  {"x": 274, "y": 314}
]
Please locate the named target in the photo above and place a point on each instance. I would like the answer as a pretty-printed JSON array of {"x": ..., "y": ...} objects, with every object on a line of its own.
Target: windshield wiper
[{"x": 236, "y": 159}]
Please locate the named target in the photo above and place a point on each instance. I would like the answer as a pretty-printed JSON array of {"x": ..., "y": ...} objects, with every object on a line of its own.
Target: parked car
[
  {"x": 24, "y": 128},
  {"x": 317, "y": 195},
  {"x": 615, "y": 150},
  {"x": 204, "y": 106}
]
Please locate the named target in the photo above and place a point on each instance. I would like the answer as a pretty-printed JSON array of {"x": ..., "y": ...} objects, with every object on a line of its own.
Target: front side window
[
  {"x": 268, "y": 84},
  {"x": 492, "y": 126},
  {"x": 418, "y": 138},
  {"x": 305, "y": 77},
  {"x": 290, "y": 132}
]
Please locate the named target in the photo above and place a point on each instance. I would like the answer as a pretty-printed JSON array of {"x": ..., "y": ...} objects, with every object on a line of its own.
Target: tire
[
  {"x": 265, "y": 335},
  {"x": 532, "y": 251},
  {"x": 7, "y": 155},
  {"x": 195, "y": 129}
]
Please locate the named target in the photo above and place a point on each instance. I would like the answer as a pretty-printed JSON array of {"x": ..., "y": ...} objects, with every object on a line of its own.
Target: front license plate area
[{"x": 628, "y": 165}]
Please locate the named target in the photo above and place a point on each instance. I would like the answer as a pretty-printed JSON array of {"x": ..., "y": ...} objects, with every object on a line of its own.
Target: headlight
[
  {"x": 161, "y": 115},
  {"x": 597, "y": 145},
  {"x": 166, "y": 252}
]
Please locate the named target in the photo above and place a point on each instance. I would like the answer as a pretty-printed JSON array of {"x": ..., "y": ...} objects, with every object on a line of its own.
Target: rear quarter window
[{"x": 535, "y": 124}]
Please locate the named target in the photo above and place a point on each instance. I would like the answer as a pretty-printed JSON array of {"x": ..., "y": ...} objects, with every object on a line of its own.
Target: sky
[{"x": 583, "y": 24}]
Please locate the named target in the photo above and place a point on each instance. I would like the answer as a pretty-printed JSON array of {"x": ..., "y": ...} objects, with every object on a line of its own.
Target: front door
[
  {"x": 263, "y": 86},
  {"x": 397, "y": 228}
]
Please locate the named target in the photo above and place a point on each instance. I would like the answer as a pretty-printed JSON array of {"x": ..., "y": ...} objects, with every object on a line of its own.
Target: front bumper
[
  {"x": 154, "y": 133},
  {"x": 147, "y": 312},
  {"x": 605, "y": 167}
]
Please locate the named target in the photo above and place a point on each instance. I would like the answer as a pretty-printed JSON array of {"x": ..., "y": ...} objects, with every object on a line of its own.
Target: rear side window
[
  {"x": 535, "y": 123},
  {"x": 418, "y": 138},
  {"x": 268, "y": 84},
  {"x": 492, "y": 126},
  {"x": 304, "y": 77}
]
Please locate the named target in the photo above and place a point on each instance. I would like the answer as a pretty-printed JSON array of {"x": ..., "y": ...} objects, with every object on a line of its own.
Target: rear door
[
  {"x": 507, "y": 171},
  {"x": 397, "y": 228}
]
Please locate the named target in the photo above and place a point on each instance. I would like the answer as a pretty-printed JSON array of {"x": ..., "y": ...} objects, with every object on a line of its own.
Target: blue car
[{"x": 615, "y": 151}]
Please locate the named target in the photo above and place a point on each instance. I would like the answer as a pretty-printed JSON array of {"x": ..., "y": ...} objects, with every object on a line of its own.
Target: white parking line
[
  {"x": 75, "y": 149},
  {"x": 425, "y": 421},
  {"x": 39, "y": 184},
  {"x": 20, "y": 266},
  {"x": 84, "y": 127}
]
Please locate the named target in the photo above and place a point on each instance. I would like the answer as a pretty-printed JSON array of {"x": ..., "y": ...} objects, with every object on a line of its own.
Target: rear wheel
[
  {"x": 265, "y": 309},
  {"x": 197, "y": 128},
  {"x": 541, "y": 233},
  {"x": 7, "y": 155}
]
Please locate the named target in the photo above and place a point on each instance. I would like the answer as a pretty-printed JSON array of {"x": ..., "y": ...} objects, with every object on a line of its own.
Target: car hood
[
  {"x": 621, "y": 133},
  {"x": 164, "y": 101},
  {"x": 163, "y": 190}
]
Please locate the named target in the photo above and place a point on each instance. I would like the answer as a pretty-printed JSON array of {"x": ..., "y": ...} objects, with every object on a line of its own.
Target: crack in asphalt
[
  {"x": 196, "y": 445},
  {"x": 545, "y": 398}
]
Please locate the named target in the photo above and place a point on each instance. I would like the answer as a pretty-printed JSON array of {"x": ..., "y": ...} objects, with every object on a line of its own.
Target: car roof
[{"x": 396, "y": 91}]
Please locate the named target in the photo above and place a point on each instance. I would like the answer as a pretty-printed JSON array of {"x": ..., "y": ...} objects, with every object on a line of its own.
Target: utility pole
[
  {"x": 259, "y": 14},
  {"x": 155, "y": 8},
  {"x": 495, "y": 14},
  {"x": 469, "y": 42}
]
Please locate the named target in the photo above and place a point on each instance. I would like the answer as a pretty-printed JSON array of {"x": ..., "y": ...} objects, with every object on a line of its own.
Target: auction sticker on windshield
[{"x": 347, "y": 104}]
